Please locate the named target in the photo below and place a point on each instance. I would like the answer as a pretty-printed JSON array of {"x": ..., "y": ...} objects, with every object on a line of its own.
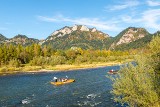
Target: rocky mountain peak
[
  {"x": 77, "y": 36},
  {"x": 131, "y": 35},
  {"x": 84, "y": 28},
  {"x": 65, "y": 30},
  {"x": 94, "y": 30},
  {"x": 55, "y": 32},
  {"x": 74, "y": 28},
  {"x": 62, "y": 32},
  {"x": 68, "y": 30}
]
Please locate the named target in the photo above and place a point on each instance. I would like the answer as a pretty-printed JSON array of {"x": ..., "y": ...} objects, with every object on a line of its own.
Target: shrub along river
[{"x": 91, "y": 89}]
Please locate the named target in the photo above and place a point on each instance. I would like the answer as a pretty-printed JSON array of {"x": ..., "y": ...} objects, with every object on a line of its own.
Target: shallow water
[{"x": 91, "y": 89}]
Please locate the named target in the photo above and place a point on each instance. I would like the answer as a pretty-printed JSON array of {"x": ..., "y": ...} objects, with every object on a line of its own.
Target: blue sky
[{"x": 39, "y": 18}]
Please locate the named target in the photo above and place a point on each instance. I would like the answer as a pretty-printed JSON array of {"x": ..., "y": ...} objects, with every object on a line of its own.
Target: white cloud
[
  {"x": 153, "y": 3},
  {"x": 48, "y": 19},
  {"x": 94, "y": 22},
  {"x": 146, "y": 18},
  {"x": 130, "y": 19},
  {"x": 151, "y": 18},
  {"x": 123, "y": 5},
  {"x": 119, "y": 7}
]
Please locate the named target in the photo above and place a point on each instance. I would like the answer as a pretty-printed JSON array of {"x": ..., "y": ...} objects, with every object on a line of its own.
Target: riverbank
[
  {"x": 57, "y": 68},
  {"x": 65, "y": 67}
]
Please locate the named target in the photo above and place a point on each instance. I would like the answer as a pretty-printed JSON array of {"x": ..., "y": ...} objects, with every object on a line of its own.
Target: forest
[{"x": 16, "y": 57}]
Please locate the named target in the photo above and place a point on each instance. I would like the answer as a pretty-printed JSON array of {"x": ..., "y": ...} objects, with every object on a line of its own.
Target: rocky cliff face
[
  {"x": 68, "y": 30},
  {"x": 77, "y": 35},
  {"x": 84, "y": 28},
  {"x": 129, "y": 35}
]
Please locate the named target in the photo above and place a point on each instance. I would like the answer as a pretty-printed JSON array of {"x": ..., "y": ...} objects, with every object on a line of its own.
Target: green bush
[
  {"x": 56, "y": 60},
  {"x": 14, "y": 63},
  {"x": 139, "y": 85},
  {"x": 37, "y": 61},
  {"x": 80, "y": 59},
  {"x": 134, "y": 86},
  {"x": 3, "y": 69}
]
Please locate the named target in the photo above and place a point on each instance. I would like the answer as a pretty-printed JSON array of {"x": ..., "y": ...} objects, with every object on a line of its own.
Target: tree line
[{"x": 35, "y": 54}]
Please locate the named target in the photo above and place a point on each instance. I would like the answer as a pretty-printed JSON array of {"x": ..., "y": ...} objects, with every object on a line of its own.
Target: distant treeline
[{"x": 35, "y": 54}]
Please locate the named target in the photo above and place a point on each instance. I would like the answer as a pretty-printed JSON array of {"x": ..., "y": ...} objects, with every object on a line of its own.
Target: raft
[
  {"x": 113, "y": 72},
  {"x": 62, "y": 83}
]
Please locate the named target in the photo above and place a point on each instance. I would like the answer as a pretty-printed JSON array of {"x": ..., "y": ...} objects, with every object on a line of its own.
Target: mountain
[
  {"x": 23, "y": 39},
  {"x": 131, "y": 37},
  {"x": 88, "y": 38},
  {"x": 78, "y": 36},
  {"x": 19, "y": 39},
  {"x": 2, "y": 38}
]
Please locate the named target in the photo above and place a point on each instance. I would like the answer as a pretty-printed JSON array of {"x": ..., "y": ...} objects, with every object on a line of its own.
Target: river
[{"x": 91, "y": 89}]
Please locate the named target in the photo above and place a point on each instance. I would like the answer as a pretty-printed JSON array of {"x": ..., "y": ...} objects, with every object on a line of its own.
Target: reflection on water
[{"x": 91, "y": 89}]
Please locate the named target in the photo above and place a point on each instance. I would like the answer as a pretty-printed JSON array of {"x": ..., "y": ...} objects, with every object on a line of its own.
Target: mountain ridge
[
  {"x": 87, "y": 38},
  {"x": 67, "y": 30},
  {"x": 77, "y": 36},
  {"x": 19, "y": 39}
]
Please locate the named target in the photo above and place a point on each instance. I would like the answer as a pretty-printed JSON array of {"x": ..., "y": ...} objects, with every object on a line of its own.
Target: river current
[{"x": 90, "y": 89}]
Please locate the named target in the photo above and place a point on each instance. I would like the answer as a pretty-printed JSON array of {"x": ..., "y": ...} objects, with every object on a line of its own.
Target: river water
[{"x": 91, "y": 89}]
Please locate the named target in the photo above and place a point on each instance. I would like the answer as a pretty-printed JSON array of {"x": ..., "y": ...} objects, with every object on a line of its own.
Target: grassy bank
[{"x": 27, "y": 68}]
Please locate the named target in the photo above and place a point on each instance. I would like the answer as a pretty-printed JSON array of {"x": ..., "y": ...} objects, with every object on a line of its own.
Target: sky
[{"x": 39, "y": 18}]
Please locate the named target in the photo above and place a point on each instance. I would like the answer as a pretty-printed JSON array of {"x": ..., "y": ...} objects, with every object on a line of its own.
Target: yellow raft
[{"x": 64, "y": 82}]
